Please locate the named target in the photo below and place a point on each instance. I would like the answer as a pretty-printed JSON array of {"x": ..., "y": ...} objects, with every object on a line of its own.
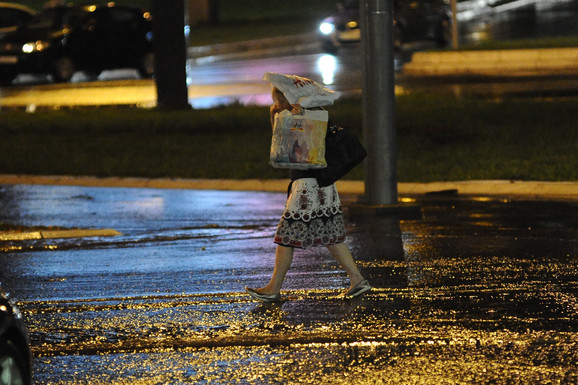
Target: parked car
[
  {"x": 92, "y": 38},
  {"x": 15, "y": 357},
  {"x": 12, "y": 15},
  {"x": 413, "y": 20}
]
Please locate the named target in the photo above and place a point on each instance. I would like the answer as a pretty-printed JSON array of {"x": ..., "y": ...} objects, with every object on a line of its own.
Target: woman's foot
[
  {"x": 358, "y": 289},
  {"x": 256, "y": 293}
]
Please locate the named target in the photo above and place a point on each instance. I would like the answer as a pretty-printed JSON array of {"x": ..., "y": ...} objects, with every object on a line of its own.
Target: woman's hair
[{"x": 277, "y": 94}]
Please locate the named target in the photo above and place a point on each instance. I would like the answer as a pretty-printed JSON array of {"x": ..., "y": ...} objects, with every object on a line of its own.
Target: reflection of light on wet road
[
  {"x": 327, "y": 65},
  {"x": 487, "y": 301},
  {"x": 470, "y": 9},
  {"x": 466, "y": 359},
  {"x": 393, "y": 333},
  {"x": 511, "y": 5}
]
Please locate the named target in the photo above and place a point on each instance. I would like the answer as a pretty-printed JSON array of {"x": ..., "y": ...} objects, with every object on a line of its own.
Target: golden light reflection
[{"x": 489, "y": 199}]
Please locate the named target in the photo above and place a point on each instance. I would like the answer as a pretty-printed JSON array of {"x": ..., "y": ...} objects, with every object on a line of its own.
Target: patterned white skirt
[{"x": 313, "y": 216}]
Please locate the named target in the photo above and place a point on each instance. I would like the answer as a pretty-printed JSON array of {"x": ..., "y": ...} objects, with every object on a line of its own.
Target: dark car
[
  {"x": 413, "y": 20},
  {"x": 15, "y": 357},
  {"x": 12, "y": 15},
  {"x": 91, "y": 38}
]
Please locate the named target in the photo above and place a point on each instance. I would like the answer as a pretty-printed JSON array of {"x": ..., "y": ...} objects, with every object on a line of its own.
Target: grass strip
[{"x": 439, "y": 138}]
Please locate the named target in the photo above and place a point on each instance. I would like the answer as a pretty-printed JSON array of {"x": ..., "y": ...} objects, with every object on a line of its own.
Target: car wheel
[
  {"x": 62, "y": 69},
  {"x": 12, "y": 368},
  {"x": 146, "y": 67}
]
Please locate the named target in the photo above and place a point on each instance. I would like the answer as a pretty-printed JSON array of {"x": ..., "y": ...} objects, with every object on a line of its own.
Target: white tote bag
[{"x": 299, "y": 140}]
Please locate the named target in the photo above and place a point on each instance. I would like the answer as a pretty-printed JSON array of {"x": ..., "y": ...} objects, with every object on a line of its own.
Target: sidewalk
[{"x": 553, "y": 190}]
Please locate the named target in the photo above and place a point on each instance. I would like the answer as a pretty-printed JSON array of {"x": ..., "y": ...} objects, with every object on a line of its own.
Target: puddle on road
[{"x": 211, "y": 231}]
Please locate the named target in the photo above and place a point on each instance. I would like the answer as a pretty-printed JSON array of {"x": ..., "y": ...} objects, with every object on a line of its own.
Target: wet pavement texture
[
  {"x": 479, "y": 290},
  {"x": 520, "y": 19}
]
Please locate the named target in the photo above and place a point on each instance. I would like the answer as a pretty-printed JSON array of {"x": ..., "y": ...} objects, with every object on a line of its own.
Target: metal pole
[{"x": 379, "y": 102}]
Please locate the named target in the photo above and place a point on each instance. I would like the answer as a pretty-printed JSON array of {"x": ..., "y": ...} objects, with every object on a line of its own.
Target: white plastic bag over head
[{"x": 302, "y": 91}]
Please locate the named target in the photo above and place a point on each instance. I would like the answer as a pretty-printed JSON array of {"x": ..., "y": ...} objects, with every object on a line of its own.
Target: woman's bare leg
[
  {"x": 283, "y": 260},
  {"x": 343, "y": 255}
]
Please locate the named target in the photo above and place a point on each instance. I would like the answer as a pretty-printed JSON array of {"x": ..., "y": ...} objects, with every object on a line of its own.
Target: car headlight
[
  {"x": 37, "y": 46},
  {"x": 326, "y": 28}
]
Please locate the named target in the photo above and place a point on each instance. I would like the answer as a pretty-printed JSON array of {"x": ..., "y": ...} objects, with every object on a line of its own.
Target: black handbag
[{"x": 343, "y": 151}]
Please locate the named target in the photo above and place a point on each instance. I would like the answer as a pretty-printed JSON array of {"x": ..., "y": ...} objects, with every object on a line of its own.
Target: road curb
[
  {"x": 56, "y": 234},
  {"x": 558, "y": 190}
]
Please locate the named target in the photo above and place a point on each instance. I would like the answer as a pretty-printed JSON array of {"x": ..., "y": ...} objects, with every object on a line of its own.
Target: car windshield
[{"x": 56, "y": 18}]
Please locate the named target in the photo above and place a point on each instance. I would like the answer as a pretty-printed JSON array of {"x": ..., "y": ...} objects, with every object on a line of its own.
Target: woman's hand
[
  {"x": 274, "y": 110},
  {"x": 280, "y": 103},
  {"x": 297, "y": 109}
]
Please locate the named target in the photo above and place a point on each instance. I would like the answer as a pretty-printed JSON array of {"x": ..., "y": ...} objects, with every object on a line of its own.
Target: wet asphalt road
[{"x": 477, "y": 291}]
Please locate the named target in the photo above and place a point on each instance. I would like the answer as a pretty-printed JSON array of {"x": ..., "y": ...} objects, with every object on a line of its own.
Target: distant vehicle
[
  {"x": 13, "y": 15},
  {"x": 413, "y": 20},
  {"x": 91, "y": 38},
  {"x": 15, "y": 357}
]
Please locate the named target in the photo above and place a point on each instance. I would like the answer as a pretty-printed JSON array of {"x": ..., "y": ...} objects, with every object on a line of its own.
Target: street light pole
[{"x": 379, "y": 102}]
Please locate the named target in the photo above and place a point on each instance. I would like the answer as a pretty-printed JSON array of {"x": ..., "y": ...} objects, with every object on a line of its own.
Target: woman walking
[{"x": 312, "y": 217}]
